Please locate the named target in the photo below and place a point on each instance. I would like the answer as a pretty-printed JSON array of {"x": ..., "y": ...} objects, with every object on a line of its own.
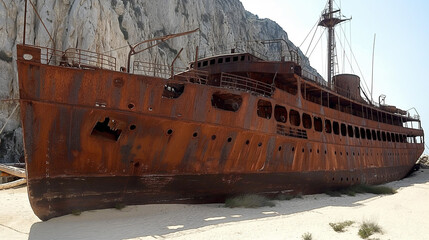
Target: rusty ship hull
[{"x": 95, "y": 138}]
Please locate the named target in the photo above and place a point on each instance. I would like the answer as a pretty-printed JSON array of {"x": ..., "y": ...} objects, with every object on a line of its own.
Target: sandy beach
[{"x": 401, "y": 216}]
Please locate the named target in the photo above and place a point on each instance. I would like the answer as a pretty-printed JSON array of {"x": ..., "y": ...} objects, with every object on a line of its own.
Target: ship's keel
[{"x": 52, "y": 197}]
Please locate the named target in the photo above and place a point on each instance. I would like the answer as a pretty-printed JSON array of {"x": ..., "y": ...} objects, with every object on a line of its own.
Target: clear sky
[{"x": 401, "y": 68}]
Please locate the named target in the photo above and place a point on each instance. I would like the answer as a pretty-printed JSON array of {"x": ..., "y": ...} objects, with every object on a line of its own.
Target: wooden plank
[
  {"x": 19, "y": 172},
  {"x": 4, "y": 174},
  {"x": 13, "y": 184}
]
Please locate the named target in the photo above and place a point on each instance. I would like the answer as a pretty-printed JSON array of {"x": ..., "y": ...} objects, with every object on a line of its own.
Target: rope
[
  {"x": 116, "y": 49},
  {"x": 9, "y": 100},
  {"x": 7, "y": 120}
]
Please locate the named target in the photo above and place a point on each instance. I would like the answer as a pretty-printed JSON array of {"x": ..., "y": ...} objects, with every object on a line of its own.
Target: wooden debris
[
  {"x": 13, "y": 184},
  {"x": 19, "y": 172}
]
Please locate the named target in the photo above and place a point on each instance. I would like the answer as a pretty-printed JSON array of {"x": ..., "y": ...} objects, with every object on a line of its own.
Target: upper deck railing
[
  {"x": 71, "y": 57},
  {"x": 257, "y": 48},
  {"x": 246, "y": 84},
  {"x": 169, "y": 72}
]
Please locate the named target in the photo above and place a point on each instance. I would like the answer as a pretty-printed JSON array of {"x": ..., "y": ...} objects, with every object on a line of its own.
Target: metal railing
[
  {"x": 82, "y": 58},
  {"x": 246, "y": 84},
  {"x": 255, "y": 48},
  {"x": 72, "y": 57},
  {"x": 169, "y": 72},
  {"x": 50, "y": 56},
  {"x": 314, "y": 78}
]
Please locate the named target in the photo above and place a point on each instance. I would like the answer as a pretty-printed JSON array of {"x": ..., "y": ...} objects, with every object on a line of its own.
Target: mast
[
  {"x": 372, "y": 71},
  {"x": 330, "y": 18},
  {"x": 25, "y": 22}
]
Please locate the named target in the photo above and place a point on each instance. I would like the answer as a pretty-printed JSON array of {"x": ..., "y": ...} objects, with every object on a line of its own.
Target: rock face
[{"x": 109, "y": 26}]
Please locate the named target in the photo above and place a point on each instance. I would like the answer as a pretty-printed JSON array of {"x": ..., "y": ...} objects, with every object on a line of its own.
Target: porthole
[
  {"x": 247, "y": 142},
  {"x": 195, "y": 134},
  {"x": 229, "y": 139},
  {"x": 213, "y": 137},
  {"x": 28, "y": 57},
  {"x": 280, "y": 148},
  {"x": 259, "y": 144},
  {"x": 131, "y": 106},
  {"x": 169, "y": 131},
  {"x": 132, "y": 127}
]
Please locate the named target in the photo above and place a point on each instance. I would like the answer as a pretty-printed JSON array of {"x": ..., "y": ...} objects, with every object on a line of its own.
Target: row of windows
[
  {"x": 221, "y": 60},
  {"x": 280, "y": 115},
  {"x": 232, "y": 102}
]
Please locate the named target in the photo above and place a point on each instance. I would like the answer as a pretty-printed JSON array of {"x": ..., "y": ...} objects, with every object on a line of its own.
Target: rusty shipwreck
[{"x": 229, "y": 124}]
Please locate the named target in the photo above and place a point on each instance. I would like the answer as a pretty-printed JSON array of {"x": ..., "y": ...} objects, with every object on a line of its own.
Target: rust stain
[{"x": 113, "y": 136}]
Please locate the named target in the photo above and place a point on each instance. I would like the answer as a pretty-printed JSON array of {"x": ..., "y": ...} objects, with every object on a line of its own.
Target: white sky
[{"x": 402, "y": 43}]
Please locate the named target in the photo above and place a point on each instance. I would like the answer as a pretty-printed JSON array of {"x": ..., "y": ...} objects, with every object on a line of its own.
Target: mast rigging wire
[
  {"x": 310, "y": 32},
  {"x": 309, "y": 45},
  {"x": 317, "y": 42},
  {"x": 37, "y": 13},
  {"x": 360, "y": 71}
]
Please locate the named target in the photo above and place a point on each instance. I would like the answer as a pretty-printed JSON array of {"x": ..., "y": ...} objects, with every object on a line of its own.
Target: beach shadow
[{"x": 156, "y": 221}]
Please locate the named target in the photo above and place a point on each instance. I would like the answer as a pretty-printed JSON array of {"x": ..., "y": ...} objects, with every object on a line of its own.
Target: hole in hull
[
  {"x": 173, "y": 90},
  {"x": 107, "y": 129}
]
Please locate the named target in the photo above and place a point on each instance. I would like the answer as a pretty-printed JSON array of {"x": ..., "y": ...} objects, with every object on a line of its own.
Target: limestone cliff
[{"x": 108, "y": 26}]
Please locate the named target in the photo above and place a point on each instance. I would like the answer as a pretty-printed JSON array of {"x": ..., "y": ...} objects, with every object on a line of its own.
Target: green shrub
[
  {"x": 120, "y": 206},
  {"x": 283, "y": 197},
  {"x": 248, "y": 201},
  {"x": 369, "y": 228},
  {"x": 76, "y": 212},
  {"x": 307, "y": 236},
  {"x": 287, "y": 196},
  {"x": 339, "y": 227},
  {"x": 333, "y": 193}
]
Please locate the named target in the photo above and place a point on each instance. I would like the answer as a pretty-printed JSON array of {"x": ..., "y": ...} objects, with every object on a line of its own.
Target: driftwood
[
  {"x": 13, "y": 184},
  {"x": 19, "y": 172}
]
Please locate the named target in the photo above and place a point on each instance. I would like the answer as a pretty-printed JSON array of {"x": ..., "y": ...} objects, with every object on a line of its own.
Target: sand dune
[{"x": 401, "y": 216}]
